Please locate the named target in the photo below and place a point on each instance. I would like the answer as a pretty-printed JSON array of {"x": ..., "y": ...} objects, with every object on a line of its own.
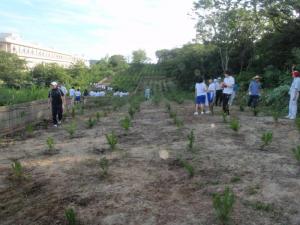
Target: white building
[{"x": 35, "y": 54}]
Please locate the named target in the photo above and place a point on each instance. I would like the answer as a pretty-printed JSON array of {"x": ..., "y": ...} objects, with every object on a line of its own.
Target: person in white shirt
[
  {"x": 200, "y": 96},
  {"x": 294, "y": 94},
  {"x": 72, "y": 95},
  {"x": 219, "y": 91},
  {"x": 227, "y": 84},
  {"x": 211, "y": 95},
  {"x": 77, "y": 96}
]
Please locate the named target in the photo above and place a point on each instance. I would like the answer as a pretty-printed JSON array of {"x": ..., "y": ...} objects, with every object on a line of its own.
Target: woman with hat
[
  {"x": 254, "y": 91},
  {"x": 294, "y": 94}
]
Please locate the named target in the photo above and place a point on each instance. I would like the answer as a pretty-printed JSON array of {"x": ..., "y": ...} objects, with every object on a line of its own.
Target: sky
[{"x": 97, "y": 28}]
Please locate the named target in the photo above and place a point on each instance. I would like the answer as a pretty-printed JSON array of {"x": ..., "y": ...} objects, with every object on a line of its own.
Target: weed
[
  {"x": 70, "y": 216},
  {"x": 296, "y": 152},
  {"x": 17, "y": 169},
  {"x": 266, "y": 139},
  {"x": 255, "y": 112},
  {"x": 131, "y": 112},
  {"x": 297, "y": 122},
  {"x": 91, "y": 122},
  {"x": 168, "y": 106},
  {"x": 191, "y": 140},
  {"x": 73, "y": 112},
  {"x": 29, "y": 130},
  {"x": 50, "y": 143},
  {"x": 111, "y": 140},
  {"x": 188, "y": 167},
  {"x": 71, "y": 128},
  {"x": 224, "y": 116},
  {"x": 223, "y": 205},
  {"x": 126, "y": 123},
  {"x": 262, "y": 206},
  {"x": 235, "y": 125},
  {"x": 235, "y": 179},
  {"x": 104, "y": 166}
]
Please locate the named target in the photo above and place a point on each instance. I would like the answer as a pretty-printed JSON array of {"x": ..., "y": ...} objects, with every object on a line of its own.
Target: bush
[
  {"x": 223, "y": 205},
  {"x": 111, "y": 140},
  {"x": 266, "y": 139}
]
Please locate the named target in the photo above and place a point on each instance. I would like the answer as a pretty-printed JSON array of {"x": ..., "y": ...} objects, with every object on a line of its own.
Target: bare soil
[{"x": 145, "y": 184}]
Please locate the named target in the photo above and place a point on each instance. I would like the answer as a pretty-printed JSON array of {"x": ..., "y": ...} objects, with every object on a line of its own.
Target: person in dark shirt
[{"x": 56, "y": 99}]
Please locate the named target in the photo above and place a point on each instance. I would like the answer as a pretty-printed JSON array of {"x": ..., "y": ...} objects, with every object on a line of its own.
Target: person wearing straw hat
[
  {"x": 254, "y": 91},
  {"x": 56, "y": 99},
  {"x": 294, "y": 94}
]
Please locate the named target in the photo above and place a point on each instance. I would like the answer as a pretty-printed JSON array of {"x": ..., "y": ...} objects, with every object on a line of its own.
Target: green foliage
[
  {"x": 10, "y": 96},
  {"x": 172, "y": 114},
  {"x": 262, "y": 206},
  {"x": 112, "y": 140},
  {"x": 156, "y": 98},
  {"x": 191, "y": 140},
  {"x": 242, "y": 109},
  {"x": 275, "y": 115},
  {"x": 70, "y": 216},
  {"x": 223, "y": 205},
  {"x": 71, "y": 129},
  {"x": 178, "y": 122},
  {"x": 29, "y": 129},
  {"x": 168, "y": 106},
  {"x": 235, "y": 179},
  {"x": 91, "y": 122},
  {"x": 255, "y": 112},
  {"x": 188, "y": 167},
  {"x": 50, "y": 143},
  {"x": 296, "y": 152},
  {"x": 104, "y": 164},
  {"x": 12, "y": 69},
  {"x": 73, "y": 112},
  {"x": 131, "y": 112},
  {"x": 98, "y": 115},
  {"x": 17, "y": 170},
  {"x": 139, "y": 56},
  {"x": 235, "y": 124},
  {"x": 126, "y": 123},
  {"x": 266, "y": 138}
]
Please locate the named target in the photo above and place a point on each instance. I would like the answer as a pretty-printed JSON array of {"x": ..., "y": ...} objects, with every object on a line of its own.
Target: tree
[
  {"x": 139, "y": 56},
  {"x": 117, "y": 61},
  {"x": 12, "y": 69}
]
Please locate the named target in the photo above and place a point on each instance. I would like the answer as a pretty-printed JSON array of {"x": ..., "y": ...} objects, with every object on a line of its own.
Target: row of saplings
[{"x": 222, "y": 202}]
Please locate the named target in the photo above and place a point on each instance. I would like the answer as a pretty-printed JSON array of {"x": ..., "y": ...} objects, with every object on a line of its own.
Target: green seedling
[
  {"x": 275, "y": 116},
  {"x": 191, "y": 140},
  {"x": 17, "y": 170},
  {"x": 297, "y": 122},
  {"x": 91, "y": 122},
  {"x": 126, "y": 123},
  {"x": 172, "y": 114},
  {"x": 224, "y": 116},
  {"x": 50, "y": 143},
  {"x": 71, "y": 129},
  {"x": 178, "y": 122},
  {"x": 111, "y": 140},
  {"x": 70, "y": 216},
  {"x": 168, "y": 106},
  {"x": 296, "y": 152},
  {"x": 235, "y": 125},
  {"x": 223, "y": 205},
  {"x": 266, "y": 139},
  {"x": 104, "y": 166},
  {"x": 29, "y": 130},
  {"x": 98, "y": 115},
  {"x": 188, "y": 167}
]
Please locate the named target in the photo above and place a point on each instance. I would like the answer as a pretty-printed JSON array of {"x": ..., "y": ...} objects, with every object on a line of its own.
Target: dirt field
[{"x": 145, "y": 184}]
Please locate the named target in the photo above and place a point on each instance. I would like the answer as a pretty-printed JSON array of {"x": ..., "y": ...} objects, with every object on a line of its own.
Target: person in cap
[
  {"x": 219, "y": 91},
  {"x": 294, "y": 93},
  {"x": 56, "y": 99},
  {"x": 254, "y": 91},
  {"x": 227, "y": 84}
]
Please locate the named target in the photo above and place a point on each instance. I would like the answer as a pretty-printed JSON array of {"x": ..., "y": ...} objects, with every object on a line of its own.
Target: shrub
[
  {"x": 91, "y": 122},
  {"x": 191, "y": 140},
  {"x": 104, "y": 166},
  {"x": 17, "y": 170},
  {"x": 223, "y": 205},
  {"x": 266, "y": 139},
  {"x": 126, "y": 123},
  {"x": 296, "y": 152},
  {"x": 235, "y": 125},
  {"x": 70, "y": 216},
  {"x": 50, "y": 143},
  {"x": 71, "y": 129},
  {"x": 111, "y": 140}
]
